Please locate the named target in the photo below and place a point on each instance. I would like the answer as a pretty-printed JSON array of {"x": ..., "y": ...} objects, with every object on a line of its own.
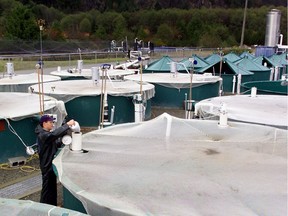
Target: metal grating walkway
[{"x": 22, "y": 189}]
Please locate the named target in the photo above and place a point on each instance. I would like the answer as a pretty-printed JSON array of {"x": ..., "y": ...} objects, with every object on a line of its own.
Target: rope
[{"x": 24, "y": 168}]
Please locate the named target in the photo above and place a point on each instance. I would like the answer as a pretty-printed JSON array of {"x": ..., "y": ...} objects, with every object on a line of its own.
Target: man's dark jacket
[{"x": 48, "y": 144}]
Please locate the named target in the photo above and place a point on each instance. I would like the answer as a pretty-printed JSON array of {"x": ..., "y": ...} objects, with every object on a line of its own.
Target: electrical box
[{"x": 17, "y": 161}]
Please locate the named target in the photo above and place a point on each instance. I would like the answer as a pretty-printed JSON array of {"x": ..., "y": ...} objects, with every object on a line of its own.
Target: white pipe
[
  {"x": 168, "y": 127},
  {"x": 233, "y": 84},
  {"x": 239, "y": 83},
  {"x": 126, "y": 64},
  {"x": 281, "y": 39},
  {"x": 276, "y": 74},
  {"x": 112, "y": 115},
  {"x": 223, "y": 118},
  {"x": 271, "y": 73},
  {"x": 79, "y": 65}
]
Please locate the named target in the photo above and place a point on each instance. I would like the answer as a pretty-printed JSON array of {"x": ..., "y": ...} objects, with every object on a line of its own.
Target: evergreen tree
[{"x": 20, "y": 23}]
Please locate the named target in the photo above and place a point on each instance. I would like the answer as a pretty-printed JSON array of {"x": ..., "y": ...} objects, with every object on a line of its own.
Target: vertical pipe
[{"x": 239, "y": 83}]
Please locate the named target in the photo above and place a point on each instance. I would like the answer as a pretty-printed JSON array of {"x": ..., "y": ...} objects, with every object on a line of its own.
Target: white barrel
[
  {"x": 253, "y": 92},
  {"x": 79, "y": 65},
  {"x": 10, "y": 68},
  {"x": 58, "y": 69},
  {"x": 95, "y": 75},
  {"x": 76, "y": 144},
  {"x": 139, "y": 108},
  {"x": 173, "y": 67},
  {"x": 139, "y": 112}
]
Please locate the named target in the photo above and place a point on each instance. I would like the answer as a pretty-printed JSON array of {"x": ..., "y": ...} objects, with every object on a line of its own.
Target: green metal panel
[
  {"x": 11, "y": 146},
  {"x": 261, "y": 75},
  {"x": 228, "y": 81},
  {"x": 267, "y": 87},
  {"x": 172, "y": 97},
  {"x": 86, "y": 109},
  {"x": 70, "y": 202},
  {"x": 74, "y": 78}
]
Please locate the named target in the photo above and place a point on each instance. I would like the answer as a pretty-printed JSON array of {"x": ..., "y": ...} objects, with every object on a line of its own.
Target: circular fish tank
[
  {"x": 173, "y": 166},
  {"x": 268, "y": 110},
  {"x": 84, "y": 100},
  {"x": 21, "y": 83},
  {"x": 27, "y": 207},
  {"x": 171, "y": 90},
  {"x": 18, "y": 119},
  {"x": 72, "y": 74},
  {"x": 279, "y": 87}
]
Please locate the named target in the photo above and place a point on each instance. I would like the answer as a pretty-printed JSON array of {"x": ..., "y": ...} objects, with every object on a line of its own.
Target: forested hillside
[
  {"x": 204, "y": 24},
  {"x": 133, "y": 5}
]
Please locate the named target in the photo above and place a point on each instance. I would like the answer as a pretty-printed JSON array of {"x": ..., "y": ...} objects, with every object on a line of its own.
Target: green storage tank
[
  {"x": 21, "y": 82},
  {"x": 19, "y": 118},
  {"x": 83, "y": 99},
  {"x": 171, "y": 90}
]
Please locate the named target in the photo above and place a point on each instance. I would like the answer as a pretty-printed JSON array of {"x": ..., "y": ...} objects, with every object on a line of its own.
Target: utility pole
[{"x": 243, "y": 26}]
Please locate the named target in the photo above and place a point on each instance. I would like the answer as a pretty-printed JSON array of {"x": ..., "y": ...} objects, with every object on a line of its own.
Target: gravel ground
[{"x": 9, "y": 176}]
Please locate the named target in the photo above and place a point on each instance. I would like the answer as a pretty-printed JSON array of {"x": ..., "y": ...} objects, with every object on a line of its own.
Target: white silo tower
[{"x": 272, "y": 28}]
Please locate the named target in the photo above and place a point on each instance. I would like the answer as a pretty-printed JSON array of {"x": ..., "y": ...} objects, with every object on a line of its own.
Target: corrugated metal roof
[
  {"x": 200, "y": 62},
  {"x": 162, "y": 65},
  {"x": 279, "y": 59},
  {"x": 248, "y": 64},
  {"x": 232, "y": 57},
  {"x": 213, "y": 59},
  {"x": 247, "y": 55},
  {"x": 234, "y": 69}
]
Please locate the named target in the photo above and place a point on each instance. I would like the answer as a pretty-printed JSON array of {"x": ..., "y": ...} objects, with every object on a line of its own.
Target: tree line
[
  {"x": 69, "y": 6},
  {"x": 197, "y": 27}
]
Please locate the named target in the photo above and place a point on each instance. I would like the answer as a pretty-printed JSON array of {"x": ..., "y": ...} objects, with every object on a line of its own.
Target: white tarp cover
[
  {"x": 173, "y": 166},
  {"x": 262, "y": 109},
  {"x": 28, "y": 208},
  {"x": 74, "y": 73},
  {"x": 112, "y": 73},
  {"x": 17, "y": 106},
  {"x": 70, "y": 89},
  {"x": 175, "y": 80},
  {"x": 20, "y": 83}
]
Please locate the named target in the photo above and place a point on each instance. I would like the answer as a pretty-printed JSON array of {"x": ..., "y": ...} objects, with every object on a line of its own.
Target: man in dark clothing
[{"x": 48, "y": 143}]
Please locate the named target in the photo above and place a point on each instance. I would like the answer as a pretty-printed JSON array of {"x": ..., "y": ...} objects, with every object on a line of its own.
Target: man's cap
[{"x": 46, "y": 118}]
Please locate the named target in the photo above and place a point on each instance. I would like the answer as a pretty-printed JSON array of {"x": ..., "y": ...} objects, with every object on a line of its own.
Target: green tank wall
[
  {"x": 70, "y": 202},
  {"x": 174, "y": 98},
  {"x": 261, "y": 75},
  {"x": 86, "y": 109},
  {"x": 267, "y": 87},
  {"x": 228, "y": 81},
  {"x": 74, "y": 78},
  {"x": 11, "y": 146}
]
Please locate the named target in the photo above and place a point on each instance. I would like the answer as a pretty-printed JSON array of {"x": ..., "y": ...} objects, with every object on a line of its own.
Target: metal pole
[
  {"x": 243, "y": 26},
  {"x": 41, "y": 90}
]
